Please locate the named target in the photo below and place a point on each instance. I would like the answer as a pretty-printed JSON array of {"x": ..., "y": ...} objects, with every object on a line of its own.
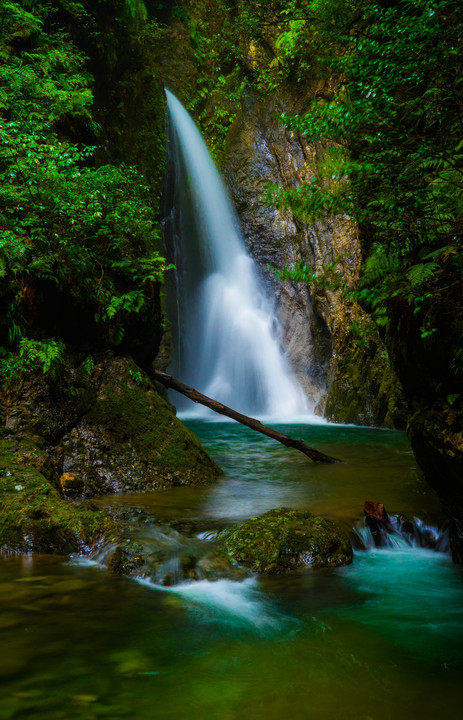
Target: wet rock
[
  {"x": 386, "y": 530},
  {"x": 375, "y": 509},
  {"x": 364, "y": 389},
  {"x": 377, "y": 521},
  {"x": 71, "y": 483},
  {"x": 283, "y": 539},
  {"x": 127, "y": 558},
  {"x": 34, "y": 517},
  {"x": 218, "y": 566},
  {"x": 406, "y": 527}
]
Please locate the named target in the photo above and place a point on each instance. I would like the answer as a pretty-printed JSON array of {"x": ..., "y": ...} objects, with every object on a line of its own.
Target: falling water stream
[{"x": 226, "y": 342}]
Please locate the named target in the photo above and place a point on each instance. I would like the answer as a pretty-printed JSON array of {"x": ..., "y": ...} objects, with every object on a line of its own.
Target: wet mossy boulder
[
  {"x": 105, "y": 431},
  {"x": 127, "y": 558},
  {"x": 34, "y": 517},
  {"x": 283, "y": 539},
  {"x": 129, "y": 439}
]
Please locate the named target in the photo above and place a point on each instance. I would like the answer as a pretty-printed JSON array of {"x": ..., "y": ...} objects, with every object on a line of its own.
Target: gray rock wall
[{"x": 260, "y": 150}]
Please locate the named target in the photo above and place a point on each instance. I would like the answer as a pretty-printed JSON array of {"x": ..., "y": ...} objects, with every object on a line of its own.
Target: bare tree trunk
[{"x": 197, "y": 397}]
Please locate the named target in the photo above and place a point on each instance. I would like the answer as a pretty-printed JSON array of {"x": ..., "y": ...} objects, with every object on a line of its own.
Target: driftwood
[{"x": 197, "y": 397}]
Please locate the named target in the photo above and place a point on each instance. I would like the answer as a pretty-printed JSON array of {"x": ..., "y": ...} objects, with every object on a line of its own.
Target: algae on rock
[
  {"x": 283, "y": 539},
  {"x": 34, "y": 517},
  {"x": 130, "y": 438}
]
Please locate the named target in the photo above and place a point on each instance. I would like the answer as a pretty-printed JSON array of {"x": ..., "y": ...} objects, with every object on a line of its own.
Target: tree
[
  {"x": 392, "y": 138},
  {"x": 76, "y": 240}
]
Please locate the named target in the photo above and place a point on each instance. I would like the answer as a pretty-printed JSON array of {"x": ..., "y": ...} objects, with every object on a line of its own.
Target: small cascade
[
  {"x": 399, "y": 533},
  {"x": 225, "y": 333},
  {"x": 168, "y": 558}
]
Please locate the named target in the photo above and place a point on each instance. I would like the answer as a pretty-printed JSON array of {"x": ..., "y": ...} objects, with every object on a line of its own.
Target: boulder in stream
[{"x": 284, "y": 539}]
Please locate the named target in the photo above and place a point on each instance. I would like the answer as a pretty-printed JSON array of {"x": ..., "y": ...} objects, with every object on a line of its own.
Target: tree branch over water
[{"x": 197, "y": 397}]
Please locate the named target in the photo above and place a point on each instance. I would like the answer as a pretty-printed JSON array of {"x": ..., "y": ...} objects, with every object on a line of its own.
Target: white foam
[{"x": 240, "y": 602}]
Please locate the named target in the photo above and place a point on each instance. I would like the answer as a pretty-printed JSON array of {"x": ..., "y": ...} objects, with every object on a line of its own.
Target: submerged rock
[
  {"x": 282, "y": 540},
  {"x": 170, "y": 565}
]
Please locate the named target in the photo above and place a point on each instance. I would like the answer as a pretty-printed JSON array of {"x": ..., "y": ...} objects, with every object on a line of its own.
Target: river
[{"x": 378, "y": 639}]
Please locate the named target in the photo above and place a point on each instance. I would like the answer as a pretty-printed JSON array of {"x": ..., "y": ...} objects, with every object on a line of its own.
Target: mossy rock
[
  {"x": 130, "y": 438},
  {"x": 364, "y": 389},
  {"x": 282, "y": 540},
  {"x": 71, "y": 483},
  {"x": 127, "y": 558},
  {"x": 33, "y": 515}
]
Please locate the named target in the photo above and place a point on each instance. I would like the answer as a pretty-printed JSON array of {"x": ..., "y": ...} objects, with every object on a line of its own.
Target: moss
[
  {"x": 127, "y": 558},
  {"x": 141, "y": 414},
  {"x": 364, "y": 390},
  {"x": 131, "y": 440},
  {"x": 71, "y": 483},
  {"x": 33, "y": 515},
  {"x": 284, "y": 539}
]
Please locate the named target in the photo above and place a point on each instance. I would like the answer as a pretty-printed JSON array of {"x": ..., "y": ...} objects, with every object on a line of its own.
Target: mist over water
[{"x": 226, "y": 338}]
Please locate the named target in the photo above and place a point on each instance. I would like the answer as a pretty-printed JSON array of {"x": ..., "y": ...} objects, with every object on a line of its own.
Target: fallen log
[{"x": 170, "y": 382}]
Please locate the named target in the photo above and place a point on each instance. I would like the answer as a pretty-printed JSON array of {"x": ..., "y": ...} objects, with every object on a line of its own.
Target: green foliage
[
  {"x": 136, "y": 9},
  {"x": 331, "y": 278},
  {"x": 88, "y": 232},
  {"x": 263, "y": 46},
  {"x": 214, "y": 40},
  {"x": 88, "y": 365},
  {"x": 32, "y": 355},
  {"x": 390, "y": 149},
  {"x": 136, "y": 376}
]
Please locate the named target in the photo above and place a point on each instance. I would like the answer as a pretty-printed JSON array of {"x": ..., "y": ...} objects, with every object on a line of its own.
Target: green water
[{"x": 380, "y": 639}]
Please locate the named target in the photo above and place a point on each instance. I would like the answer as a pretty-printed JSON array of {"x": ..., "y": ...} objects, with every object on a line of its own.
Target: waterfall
[{"x": 225, "y": 333}]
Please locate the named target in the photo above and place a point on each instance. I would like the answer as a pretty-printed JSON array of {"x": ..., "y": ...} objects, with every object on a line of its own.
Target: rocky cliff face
[
  {"x": 259, "y": 150},
  {"x": 330, "y": 344}
]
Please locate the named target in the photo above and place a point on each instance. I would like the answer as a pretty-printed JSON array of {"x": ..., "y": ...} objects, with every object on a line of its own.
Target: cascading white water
[{"x": 226, "y": 332}]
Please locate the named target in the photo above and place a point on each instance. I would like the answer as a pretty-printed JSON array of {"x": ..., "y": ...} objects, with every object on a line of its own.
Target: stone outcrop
[
  {"x": 113, "y": 430},
  {"x": 81, "y": 435},
  {"x": 34, "y": 516},
  {"x": 283, "y": 539},
  {"x": 330, "y": 343}
]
